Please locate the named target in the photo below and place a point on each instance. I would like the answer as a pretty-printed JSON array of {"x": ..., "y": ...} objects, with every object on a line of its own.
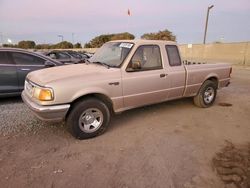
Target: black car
[
  {"x": 68, "y": 56},
  {"x": 15, "y": 64},
  {"x": 78, "y": 55},
  {"x": 86, "y": 54},
  {"x": 75, "y": 54},
  {"x": 63, "y": 57}
]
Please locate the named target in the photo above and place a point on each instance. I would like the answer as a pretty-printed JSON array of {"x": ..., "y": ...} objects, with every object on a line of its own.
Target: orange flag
[{"x": 129, "y": 13}]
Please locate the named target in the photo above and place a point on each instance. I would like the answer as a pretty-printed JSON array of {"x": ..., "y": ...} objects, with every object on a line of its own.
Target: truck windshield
[{"x": 112, "y": 53}]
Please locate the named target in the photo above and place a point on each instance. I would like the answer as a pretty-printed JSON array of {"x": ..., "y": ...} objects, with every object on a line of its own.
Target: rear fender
[{"x": 213, "y": 77}]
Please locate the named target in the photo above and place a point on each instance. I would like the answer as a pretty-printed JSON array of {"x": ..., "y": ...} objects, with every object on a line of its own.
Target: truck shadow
[
  {"x": 132, "y": 116},
  {"x": 126, "y": 117}
]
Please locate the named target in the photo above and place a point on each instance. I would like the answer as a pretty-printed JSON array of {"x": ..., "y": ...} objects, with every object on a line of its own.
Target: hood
[{"x": 89, "y": 71}]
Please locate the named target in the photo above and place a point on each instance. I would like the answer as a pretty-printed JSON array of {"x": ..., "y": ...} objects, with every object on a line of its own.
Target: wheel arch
[
  {"x": 213, "y": 78},
  {"x": 102, "y": 97}
]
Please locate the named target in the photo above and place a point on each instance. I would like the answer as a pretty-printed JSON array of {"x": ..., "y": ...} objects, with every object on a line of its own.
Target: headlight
[{"x": 43, "y": 94}]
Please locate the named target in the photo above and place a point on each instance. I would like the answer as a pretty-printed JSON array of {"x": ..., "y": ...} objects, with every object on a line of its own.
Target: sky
[{"x": 81, "y": 20}]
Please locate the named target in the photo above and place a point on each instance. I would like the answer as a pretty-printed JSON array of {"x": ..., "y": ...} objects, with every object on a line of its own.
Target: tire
[
  {"x": 88, "y": 118},
  {"x": 206, "y": 95}
]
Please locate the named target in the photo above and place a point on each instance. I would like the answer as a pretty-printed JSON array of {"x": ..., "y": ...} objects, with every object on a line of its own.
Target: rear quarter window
[{"x": 173, "y": 55}]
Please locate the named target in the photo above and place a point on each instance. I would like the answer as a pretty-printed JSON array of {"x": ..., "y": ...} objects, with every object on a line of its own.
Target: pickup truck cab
[{"x": 121, "y": 75}]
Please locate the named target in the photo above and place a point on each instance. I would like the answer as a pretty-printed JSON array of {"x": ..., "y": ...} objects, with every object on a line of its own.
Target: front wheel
[
  {"x": 88, "y": 118},
  {"x": 206, "y": 95}
]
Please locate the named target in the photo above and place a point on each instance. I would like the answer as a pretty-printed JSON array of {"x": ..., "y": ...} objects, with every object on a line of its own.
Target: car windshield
[{"x": 112, "y": 53}]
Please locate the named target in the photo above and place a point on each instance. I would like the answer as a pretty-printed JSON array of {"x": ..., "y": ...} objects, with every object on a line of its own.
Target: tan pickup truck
[{"x": 121, "y": 75}]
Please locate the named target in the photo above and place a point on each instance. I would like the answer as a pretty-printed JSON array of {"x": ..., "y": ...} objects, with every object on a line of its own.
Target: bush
[
  {"x": 10, "y": 45},
  {"x": 42, "y": 46},
  {"x": 161, "y": 35},
  {"x": 78, "y": 45},
  {"x": 62, "y": 45},
  {"x": 26, "y": 44}
]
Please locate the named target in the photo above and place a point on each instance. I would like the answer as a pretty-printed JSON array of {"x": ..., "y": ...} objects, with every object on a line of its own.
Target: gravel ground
[
  {"x": 15, "y": 117},
  {"x": 173, "y": 144}
]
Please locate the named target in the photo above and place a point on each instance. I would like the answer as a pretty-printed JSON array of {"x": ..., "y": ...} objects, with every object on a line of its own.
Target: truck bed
[{"x": 196, "y": 74}]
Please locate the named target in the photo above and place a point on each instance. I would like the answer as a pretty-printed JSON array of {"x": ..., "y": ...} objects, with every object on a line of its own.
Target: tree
[
  {"x": 26, "y": 44},
  {"x": 98, "y": 41},
  {"x": 62, "y": 45},
  {"x": 87, "y": 45},
  {"x": 78, "y": 45},
  {"x": 161, "y": 35},
  {"x": 123, "y": 36},
  {"x": 101, "y": 39}
]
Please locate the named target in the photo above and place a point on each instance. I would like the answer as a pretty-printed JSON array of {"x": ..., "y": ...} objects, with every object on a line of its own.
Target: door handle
[
  {"x": 163, "y": 75},
  {"x": 25, "y": 69},
  {"x": 114, "y": 83}
]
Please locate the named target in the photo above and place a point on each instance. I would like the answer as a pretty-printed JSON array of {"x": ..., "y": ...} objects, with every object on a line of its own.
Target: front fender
[{"x": 87, "y": 91}]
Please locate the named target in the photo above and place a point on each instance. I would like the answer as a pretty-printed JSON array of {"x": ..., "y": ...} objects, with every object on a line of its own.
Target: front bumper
[{"x": 46, "y": 113}]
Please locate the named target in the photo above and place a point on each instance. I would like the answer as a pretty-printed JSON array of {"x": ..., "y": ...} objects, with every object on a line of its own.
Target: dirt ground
[
  {"x": 173, "y": 144},
  {"x": 232, "y": 164}
]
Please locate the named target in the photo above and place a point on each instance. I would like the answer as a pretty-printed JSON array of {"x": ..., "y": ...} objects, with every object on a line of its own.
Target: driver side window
[{"x": 147, "y": 57}]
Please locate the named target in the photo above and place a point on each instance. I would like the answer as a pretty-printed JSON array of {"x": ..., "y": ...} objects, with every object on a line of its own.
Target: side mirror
[
  {"x": 49, "y": 64},
  {"x": 136, "y": 65}
]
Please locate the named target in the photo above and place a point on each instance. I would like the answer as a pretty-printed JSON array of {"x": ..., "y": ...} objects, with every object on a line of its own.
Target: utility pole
[
  {"x": 61, "y": 36},
  {"x": 205, "y": 34},
  {"x": 1, "y": 38},
  {"x": 72, "y": 38}
]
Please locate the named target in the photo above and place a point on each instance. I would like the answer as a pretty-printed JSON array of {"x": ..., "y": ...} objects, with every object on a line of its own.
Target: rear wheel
[
  {"x": 207, "y": 94},
  {"x": 88, "y": 118}
]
